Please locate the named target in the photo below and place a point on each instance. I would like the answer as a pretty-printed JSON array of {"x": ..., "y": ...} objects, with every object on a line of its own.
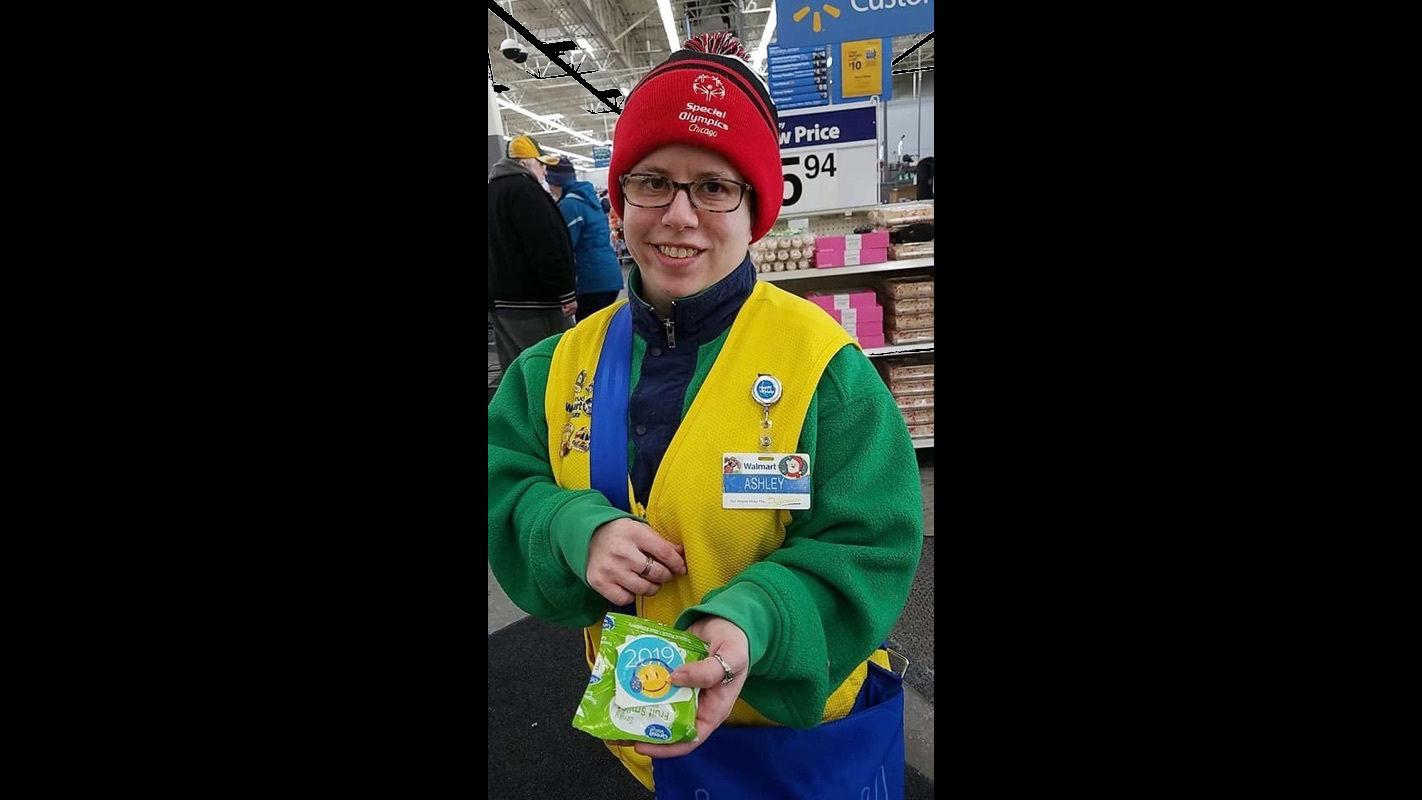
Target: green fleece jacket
[{"x": 813, "y": 610}]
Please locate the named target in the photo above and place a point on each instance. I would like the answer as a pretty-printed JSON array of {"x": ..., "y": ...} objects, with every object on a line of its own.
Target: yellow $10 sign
[{"x": 862, "y": 67}]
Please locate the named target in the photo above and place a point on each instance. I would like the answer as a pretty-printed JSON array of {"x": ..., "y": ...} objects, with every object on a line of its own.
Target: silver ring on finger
[
  {"x": 729, "y": 675},
  {"x": 647, "y": 569}
]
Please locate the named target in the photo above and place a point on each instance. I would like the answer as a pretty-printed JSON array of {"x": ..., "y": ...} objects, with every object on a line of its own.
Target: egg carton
[
  {"x": 904, "y": 371},
  {"x": 914, "y": 336},
  {"x": 910, "y": 386},
  {"x": 901, "y": 213},
  {"x": 908, "y": 321},
  {"x": 907, "y": 305},
  {"x": 918, "y": 416}
]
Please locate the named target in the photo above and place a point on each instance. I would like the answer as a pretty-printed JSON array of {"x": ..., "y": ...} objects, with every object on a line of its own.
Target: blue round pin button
[{"x": 766, "y": 390}]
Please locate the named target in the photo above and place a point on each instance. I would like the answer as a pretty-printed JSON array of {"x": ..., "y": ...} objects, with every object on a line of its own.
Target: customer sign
[{"x": 807, "y": 23}]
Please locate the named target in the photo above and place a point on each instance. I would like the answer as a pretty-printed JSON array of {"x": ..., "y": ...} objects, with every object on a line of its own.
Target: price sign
[
  {"x": 829, "y": 159},
  {"x": 863, "y": 67},
  {"x": 816, "y": 179}
]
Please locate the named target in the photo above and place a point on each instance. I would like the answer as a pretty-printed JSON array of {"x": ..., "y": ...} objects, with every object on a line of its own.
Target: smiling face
[
  {"x": 681, "y": 250},
  {"x": 655, "y": 679}
]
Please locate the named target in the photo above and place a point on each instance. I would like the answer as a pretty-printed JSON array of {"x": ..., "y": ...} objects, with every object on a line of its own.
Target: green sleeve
[
  {"x": 538, "y": 531},
  {"x": 817, "y": 607}
]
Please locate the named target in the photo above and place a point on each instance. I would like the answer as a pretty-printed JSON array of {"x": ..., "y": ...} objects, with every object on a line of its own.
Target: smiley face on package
[
  {"x": 653, "y": 679},
  {"x": 644, "y": 667}
]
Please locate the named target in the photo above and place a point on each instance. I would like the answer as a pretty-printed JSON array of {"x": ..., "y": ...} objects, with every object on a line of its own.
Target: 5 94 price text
[{"x": 814, "y": 167}]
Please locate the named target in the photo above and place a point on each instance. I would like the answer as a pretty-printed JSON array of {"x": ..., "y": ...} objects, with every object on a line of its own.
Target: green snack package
[{"x": 629, "y": 695}]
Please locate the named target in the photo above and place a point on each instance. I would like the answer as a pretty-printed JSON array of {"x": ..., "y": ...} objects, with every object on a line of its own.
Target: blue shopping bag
[{"x": 859, "y": 757}]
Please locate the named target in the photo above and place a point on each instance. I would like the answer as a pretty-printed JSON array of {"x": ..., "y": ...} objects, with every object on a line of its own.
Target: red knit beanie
[{"x": 705, "y": 95}]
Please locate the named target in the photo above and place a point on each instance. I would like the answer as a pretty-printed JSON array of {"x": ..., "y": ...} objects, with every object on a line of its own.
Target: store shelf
[
  {"x": 830, "y": 272},
  {"x": 786, "y": 215},
  {"x": 899, "y": 349},
  {"x": 919, "y": 444}
]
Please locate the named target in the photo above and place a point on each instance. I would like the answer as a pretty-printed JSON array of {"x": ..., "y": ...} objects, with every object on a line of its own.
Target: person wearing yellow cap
[
  {"x": 526, "y": 146},
  {"x": 532, "y": 288}
]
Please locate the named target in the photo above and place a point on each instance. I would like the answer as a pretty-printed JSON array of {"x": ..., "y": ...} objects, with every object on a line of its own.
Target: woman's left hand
[{"x": 723, "y": 638}]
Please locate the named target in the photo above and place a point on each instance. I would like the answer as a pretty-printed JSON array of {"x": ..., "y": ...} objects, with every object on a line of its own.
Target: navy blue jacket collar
[{"x": 698, "y": 319}]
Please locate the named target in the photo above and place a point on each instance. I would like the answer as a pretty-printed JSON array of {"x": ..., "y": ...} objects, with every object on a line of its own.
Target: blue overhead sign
[
  {"x": 602, "y": 156},
  {"x": 808, "y": 23},
  {"x": 799, "y": 77},
  {"x": 803, "y": 77}
]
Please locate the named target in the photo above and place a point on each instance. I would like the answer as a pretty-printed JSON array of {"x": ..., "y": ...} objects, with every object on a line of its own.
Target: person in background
[
  {"x": 606, "y": 204},
  {"x": 532, "y": 293},
  {"x": 599, "y": 276},
  {"x": 925, "y": 179}
]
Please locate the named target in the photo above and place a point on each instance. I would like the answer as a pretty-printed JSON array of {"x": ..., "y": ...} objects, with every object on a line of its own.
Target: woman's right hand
[{"x": 618, "y": 553}]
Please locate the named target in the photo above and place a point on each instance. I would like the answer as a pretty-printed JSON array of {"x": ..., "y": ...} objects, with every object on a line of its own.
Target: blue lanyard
[{"x": 607, "y": 449}]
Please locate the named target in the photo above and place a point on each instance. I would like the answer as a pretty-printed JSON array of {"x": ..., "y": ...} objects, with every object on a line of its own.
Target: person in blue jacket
[{"x": 599, "y": 275}]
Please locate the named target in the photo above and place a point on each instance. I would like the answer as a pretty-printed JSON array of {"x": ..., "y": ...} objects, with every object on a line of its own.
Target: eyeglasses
[{"x": 721, "y": 195}]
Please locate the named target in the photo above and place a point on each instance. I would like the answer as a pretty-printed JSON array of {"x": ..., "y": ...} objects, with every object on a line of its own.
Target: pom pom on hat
[{"x": 720, "y": 43}]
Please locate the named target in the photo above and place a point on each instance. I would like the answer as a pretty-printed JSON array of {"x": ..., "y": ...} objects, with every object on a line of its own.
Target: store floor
[
  {"x": 534, "y": 715},
  {"x": 534, "y": 751}
]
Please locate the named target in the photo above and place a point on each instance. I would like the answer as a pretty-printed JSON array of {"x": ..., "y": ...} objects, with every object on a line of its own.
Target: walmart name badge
[{"x": 765, "y": 481}]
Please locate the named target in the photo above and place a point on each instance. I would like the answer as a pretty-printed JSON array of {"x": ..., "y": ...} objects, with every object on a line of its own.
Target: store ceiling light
[
  {"x": 574, "y": 156},
  {"x": 549, "y": 121},
  {"x": 664, "y": 6},
  {"x": 585, "y": 45},
  {"x": 758, "y": 55}
]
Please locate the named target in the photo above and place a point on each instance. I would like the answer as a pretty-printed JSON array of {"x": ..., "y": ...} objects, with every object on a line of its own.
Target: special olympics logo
[{"x": 709, "y": 85}]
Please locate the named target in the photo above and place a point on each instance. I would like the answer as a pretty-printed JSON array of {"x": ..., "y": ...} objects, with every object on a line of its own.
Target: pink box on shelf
[
  {"x": 858, "y": 312},
  {"x": 850, "y": 258},
  {"x": 852, "y": 298},
  {"x": 854, "y": 241},
  {"x": 861, "y": 322},
  {"x": 871, "y": 340},
  {"x": 858, "y": 315}
]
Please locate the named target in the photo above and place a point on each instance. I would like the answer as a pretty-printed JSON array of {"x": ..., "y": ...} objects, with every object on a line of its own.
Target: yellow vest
[{"x": 775, "y": 333}]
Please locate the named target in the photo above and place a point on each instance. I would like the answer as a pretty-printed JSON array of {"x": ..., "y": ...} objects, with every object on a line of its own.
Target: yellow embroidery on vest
[{"x": 578, "y": 438}]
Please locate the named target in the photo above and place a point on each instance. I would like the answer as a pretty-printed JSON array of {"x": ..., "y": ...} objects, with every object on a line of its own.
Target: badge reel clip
[{"x": 766, "y": 392}]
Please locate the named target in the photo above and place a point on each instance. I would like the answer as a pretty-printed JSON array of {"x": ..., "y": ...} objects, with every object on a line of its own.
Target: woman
[{"x": 642, "y": 507}]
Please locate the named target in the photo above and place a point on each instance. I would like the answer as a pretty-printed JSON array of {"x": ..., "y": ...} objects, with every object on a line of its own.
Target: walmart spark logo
[{"x": 815, "y": 20}]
